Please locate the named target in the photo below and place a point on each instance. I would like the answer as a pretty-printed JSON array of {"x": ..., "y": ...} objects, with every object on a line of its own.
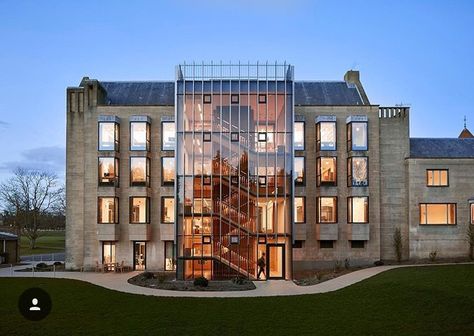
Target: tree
[
  {"x": 398, "y": 243},
  {"x": 31, "y": 196}
]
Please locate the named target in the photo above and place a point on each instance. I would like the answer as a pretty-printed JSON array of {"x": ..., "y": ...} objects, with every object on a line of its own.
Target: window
[
  {"x": 438, "y": 214},
  {"x": 326, "y": 136},
  {"x": 357, "y": 171},
  {"x": 357, "y": 244},
  {"x": 358, "y": 209},
  {"x": 299, "y": 170},
  {"x": 139, "y": 136},
  {"x": 167, "y": 210},
  {"x": 262, "y": 181},
  {"x": 327, "y": 210},
  {"x": 207, "y": 99},
  {"x": 202, "y": 206},
  {"x": 234, "y": 99},
  {"x": 207, "y": 239},
  {"x": 139, "y": 171},
  {"x": 108, "y": 252},
  {"x": 326, "y": 244},
  {"x": 167, "y": 170},
  {"x": 262, "y": 136},
  {"x": 437, "y": 178},
  {"x": 298, "y": 135},
  {"x": 298, "y": 244},
  {"x": 262, "y": 99},
  {"x": 357, "y": 136},
  {"x": 108, "y": 136},
  {"x": 471, "y": 205},
  {"x": 139, "y": 210},
  {"x": 108, "y": 171},
  {"x": 326, "y": 171},
  {"x": 168, "y": 138},
  {"x": 300, "y": 213},
  {"x": 206, "y": 137},
  {"x": 234, "y": 239},
  {"x": 107, "y": 210},
  {"x": 234, "y": 136},
  {"x": 170, "y": 264}
]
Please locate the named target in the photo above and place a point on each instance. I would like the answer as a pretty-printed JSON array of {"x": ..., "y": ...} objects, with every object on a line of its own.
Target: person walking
[{"x": 261, "y": 266}]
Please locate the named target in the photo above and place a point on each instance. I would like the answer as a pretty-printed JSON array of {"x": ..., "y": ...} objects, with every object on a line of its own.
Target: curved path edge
[{"x": 118, "y": 282}]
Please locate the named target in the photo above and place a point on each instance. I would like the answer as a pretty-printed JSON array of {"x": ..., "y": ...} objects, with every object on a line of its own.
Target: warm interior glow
[
  {"x": 138, "y": 136},
  {"x": 138, "y": 211},
  {"x": 328, "y": 169},
  {"x": 437, "y": 214},
  {"x": 299, "y": 210},
  {"x": 327, "y": 210},
  {"x": 328, "y": 135},
  {"x": 106, "y": 136}
]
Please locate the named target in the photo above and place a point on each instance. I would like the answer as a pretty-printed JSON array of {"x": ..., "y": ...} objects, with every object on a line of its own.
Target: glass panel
[
  {"x": 359, "y": 136},
  {"x": 168, "y": 141},
  {"x": 298, "y": 135},
  {"x": 359, "y": 171},
  {"x": 139, "y": 136},
  {"x": 169, "y": 256},
  {"x": 140, "y": 255},
  {"x": 328, "y": 169},
  {"x": 168, "y": 170},
  {"x": 436, "y": 213},
  {"x": 107, "y": 210},
  {"x": 472, "y": 213},
  {"x": 327, "y": 135},
  {"x": 107, "y": 170},
  {"x": 167, "y": 210},
  {"x": 444, "y": 178},
  {"x": 138, "y": 210},
  {"x": 430, "y": 177},
  {"x": 327, "y": 211},
  {"x": 108, "y": 252},
  {"x": 139, "y": 171},
  {"x": 359, "y": 207},
  {"x": 275, "y": 262},
  {"x": 107, "y": 136},
  {"x": 299, "y": 170},
  {"x": 299, "y": 209}
]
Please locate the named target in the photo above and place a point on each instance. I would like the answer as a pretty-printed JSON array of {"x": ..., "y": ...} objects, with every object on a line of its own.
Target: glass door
[
  {"x": 276, "y": 261},
  {"x": 139, "y": 252}
]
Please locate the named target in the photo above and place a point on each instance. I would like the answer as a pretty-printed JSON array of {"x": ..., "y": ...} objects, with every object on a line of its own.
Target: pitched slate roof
[
  {"x": 8, "y": 236},
  {"x": 139, "y": 93},
  {"x": 326, "y": 93},
  {"x": 162, "y": 93},
  {"x": 441, "y": 148}
]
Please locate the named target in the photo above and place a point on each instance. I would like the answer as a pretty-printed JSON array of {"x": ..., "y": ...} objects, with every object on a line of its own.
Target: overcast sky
[{"x": 419, "y": 53}]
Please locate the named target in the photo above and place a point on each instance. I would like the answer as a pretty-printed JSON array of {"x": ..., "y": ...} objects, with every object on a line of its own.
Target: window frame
[
  {"x": 163, "y": 182},
  {"x": 471, "y": 213},
  {"x": 116, "y": 181},
  {"x": 304, "y": 135},
  {"x": 432, "y": 170},
  {"x": 147, "y": 172},
  {"x": 162, "y": 221},
  {"x": 173, "y": 257},
  {"x": 318, "y": 209},
  {"x": 302, "y": 183},
  {"x": 147, "y": 210},
  {"x": 318, "y": 136},
  {"x": 321, "y": 242},
  {"x": 447, "y": 214},
  {"x": 319, "y": 182},
  {"x": 349, "y": 135},
  {"x": 350, "y": 172},
  {"x": 116, "y": 210},
  {"x": 350, "y": 216},
  {"x": 147, "y": 136},
  {"x": 116, "y": 136},
  {"x": 264, "y": 100},
  {"x": 162, "y": 139},
  {"x": 304, "y": 209},
  {"x": 363, "y": 242}
]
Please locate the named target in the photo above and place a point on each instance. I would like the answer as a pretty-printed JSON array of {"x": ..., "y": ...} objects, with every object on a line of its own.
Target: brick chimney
[{"x": 353, "y": 77}]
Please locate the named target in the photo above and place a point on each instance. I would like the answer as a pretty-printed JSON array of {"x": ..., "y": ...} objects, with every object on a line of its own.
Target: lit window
[
  {"x": 108, "y": 171},
  {"x": 234, "y": 99},
  {"x": 326, "y": 171},
  {"x": 262, "y": 181},
  {"x": 107, "y": 210},
  {"x": 139, "y": 210},
  {"x": 439, "y": 214},
  {"x": 299, "y": 170},
  {"x": 358, "y": 209},
  {"x": 298, "y": 135},
  {"x": 262, "y": 136},
  {"x": 300, "y": 210},
  {"x": 437, "y": 177},
  {"x": 357, "y": 172},
  {"x": 262, "y": 99},
  {"x": 139, "y": 171},
  {"x": 108, "y": 252},
  {"x": 108, "y": 136},
  {"x": 169, "y": 256},
  {"x": 327, "y": 210},
  {"x": 472, "y": 213},
  {"x": 167, "y": 170},
  {"x": 167, "y": 210},
  {"x": 168, "y": 137},
  {"x": 202, "y": 206},
  {"x": 139, "y": 136},
  {"x": 207, "y": 99},
  {"x": 357, "y": 136},
  {"x": 206, "y": 137},
  {"x": 234, "y": 136},
  {"x": 326, "y": 136}
]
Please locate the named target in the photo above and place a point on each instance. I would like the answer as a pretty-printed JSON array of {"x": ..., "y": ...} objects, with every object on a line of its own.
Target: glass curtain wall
[{"x": 234, "y": 167}]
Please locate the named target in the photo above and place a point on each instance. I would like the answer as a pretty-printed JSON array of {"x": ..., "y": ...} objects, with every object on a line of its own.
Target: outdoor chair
[
  {"x": 99, "y": 267},
  {"x": 120, "y": 267}
]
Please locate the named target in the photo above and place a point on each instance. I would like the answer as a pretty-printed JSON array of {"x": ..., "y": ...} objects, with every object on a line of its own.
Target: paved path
[{"x": 119, "y": 282}]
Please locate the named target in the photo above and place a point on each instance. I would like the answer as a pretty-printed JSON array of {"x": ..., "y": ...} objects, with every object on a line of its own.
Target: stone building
[{"x": 232, "y": 165}]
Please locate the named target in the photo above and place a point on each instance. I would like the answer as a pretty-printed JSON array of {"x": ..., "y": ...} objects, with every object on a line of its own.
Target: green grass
[
  {"x": 49, "y": 242},
  {"x": 435, "y": 300}
]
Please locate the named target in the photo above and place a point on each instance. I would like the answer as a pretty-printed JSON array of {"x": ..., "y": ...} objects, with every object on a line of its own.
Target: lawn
[
  {"x": 48, "y": 242},
  {"x": 435, "y": 300}
]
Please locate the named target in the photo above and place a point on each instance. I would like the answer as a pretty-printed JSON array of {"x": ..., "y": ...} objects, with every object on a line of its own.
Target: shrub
[
  {"x": 57, "y": 263},
  {"x": 161, "y": 277},
  {"x": 337, "y": 266},
  {"x": 398, "y": 243},
  {"x": 378, "y": 263},
  {"x": 201, "y": 282},
  {"x": 148, "y": 275},
  {"x": 470, "y": 239},
  {"x": 347, "y": 263},
  {"x": 41, "y": 265},
  {"x": 238, "y": 280},
  {"x": 433, "y": 255}
]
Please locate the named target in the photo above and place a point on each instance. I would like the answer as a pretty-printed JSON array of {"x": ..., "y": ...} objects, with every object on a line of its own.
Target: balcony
[
  {"x": 327, "y": 231},
  {"x": 139, "y": 232},
  {"x": 359, "y": 231},
  {"x": 108, "y": 232}
]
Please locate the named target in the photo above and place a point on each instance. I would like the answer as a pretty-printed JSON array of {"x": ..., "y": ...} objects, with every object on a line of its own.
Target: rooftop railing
[{"x": 393, "y": 112}]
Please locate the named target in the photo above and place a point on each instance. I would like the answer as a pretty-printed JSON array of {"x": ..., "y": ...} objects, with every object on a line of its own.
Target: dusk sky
[{"x": 419, "y": 53}]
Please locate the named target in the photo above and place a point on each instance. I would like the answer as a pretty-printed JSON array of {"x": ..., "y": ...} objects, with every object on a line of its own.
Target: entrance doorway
[
  {"x": 139, "y": 252},
  {"x": 276, "y": 261}
]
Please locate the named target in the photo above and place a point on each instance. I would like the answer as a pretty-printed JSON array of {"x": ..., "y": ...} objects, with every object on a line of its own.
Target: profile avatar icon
[{"x": 34, "y": 306}]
